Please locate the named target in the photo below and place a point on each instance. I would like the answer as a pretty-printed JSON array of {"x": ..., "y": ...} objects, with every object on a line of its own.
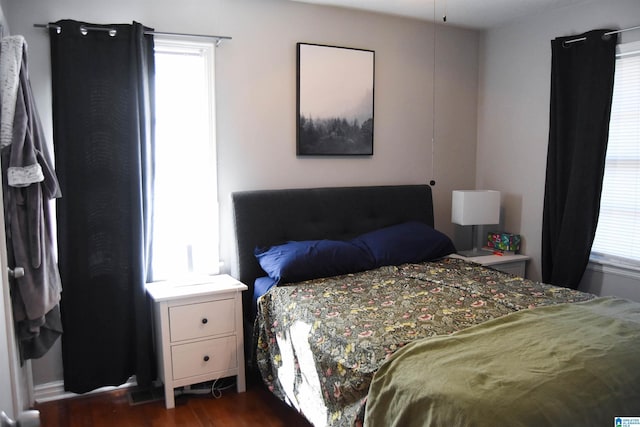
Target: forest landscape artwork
[{"x": 335, "y": 100}]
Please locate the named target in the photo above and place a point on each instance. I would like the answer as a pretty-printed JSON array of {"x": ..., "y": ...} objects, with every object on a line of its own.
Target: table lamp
[{"x": 475, "y": 207}]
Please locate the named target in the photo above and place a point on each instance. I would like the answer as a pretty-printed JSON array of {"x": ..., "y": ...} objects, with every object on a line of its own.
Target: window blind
[{"x": 618, "y": 233}]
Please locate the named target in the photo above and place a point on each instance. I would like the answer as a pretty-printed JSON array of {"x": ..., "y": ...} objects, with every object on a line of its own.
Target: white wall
[
  {"x": 256, "y": 81},
  {"x": 513, "y": 117}
]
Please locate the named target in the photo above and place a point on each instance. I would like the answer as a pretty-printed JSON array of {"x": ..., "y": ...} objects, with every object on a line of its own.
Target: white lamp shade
[{"x": 475, "y": 207}]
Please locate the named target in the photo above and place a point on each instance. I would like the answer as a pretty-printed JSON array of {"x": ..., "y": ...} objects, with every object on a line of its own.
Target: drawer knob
[
  {"x": 206, "y": 358},
  {"x": 204, "y": 321}
]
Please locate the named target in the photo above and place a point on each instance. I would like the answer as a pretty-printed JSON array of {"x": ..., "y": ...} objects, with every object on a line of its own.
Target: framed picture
[{"x": 335, "y": 101}]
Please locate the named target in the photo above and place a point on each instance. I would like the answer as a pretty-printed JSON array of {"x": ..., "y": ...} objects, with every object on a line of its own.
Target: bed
[{"x": 356, "y": 315}]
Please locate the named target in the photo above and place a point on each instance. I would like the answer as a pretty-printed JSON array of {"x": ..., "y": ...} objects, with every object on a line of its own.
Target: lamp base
[{"x": 475, "y": 252}]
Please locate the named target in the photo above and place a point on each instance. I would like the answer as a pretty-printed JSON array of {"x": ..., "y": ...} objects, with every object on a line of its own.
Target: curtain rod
[
  {"x": 112, "y": 32},
  {"x": 581, "y": 39}
]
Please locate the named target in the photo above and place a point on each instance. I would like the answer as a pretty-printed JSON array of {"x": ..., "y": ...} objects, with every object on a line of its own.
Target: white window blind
[
  {"x": 618, "y": 232},
  {"x": 185, "y": 225}
]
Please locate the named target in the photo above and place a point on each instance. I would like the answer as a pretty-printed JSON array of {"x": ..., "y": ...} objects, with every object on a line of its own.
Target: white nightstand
[
  {"x": 514, "y": 264},
  {"x": 198, "y": 329}
]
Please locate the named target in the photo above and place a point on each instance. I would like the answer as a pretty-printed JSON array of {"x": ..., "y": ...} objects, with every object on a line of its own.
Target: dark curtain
[
  {"x": 581, "y": 92},
  {"x": 103, "y": 141}
]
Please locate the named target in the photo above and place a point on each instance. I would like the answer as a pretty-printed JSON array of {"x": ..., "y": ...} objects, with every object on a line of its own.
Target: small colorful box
[{"x": 503, "y": 241}]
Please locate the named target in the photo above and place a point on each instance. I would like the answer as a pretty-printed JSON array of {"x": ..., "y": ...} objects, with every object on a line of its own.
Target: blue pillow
[
  {"x": 260, "y": 287},
  {"x": 409, "y": 242},
  {"x": 311, "y": 259}
]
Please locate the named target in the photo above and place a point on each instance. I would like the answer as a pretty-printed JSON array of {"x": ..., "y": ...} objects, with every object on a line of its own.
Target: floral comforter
[{"x": 321, "y": 341}]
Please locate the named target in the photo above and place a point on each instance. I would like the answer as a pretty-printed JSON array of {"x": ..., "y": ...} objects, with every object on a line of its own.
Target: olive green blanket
[{"x": 564, "y": 365}]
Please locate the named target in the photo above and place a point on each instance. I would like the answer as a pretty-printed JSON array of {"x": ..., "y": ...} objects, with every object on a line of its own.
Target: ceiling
[{"x": 475, "y": 14}]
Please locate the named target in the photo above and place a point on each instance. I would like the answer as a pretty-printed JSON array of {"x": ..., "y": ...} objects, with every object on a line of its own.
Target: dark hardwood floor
[{"x": 256, "y": 407}]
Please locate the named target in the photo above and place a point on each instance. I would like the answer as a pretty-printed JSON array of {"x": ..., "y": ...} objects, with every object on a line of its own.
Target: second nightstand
[{"x": 514, "y": 264}]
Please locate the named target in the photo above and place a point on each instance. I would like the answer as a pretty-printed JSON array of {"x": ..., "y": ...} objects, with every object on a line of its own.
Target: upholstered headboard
[{"x": 269, "y": 217}]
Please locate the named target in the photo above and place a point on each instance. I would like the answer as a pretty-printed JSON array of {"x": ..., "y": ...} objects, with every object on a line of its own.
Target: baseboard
[
  {"x": 55, "y": 391},
  {"x": 51, "y": 391}
]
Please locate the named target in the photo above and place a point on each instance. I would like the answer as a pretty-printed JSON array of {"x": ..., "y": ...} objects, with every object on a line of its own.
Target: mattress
[{"x": 320, "y": 342}]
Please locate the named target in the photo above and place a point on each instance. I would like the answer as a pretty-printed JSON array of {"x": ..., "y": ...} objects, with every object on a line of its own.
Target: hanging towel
[
  {"x": 10, "y": 62},
  {"x": 29, "y": 185}
]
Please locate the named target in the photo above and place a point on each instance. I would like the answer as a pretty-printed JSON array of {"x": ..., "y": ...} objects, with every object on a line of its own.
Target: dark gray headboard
[{"x": 269, "y": 217}]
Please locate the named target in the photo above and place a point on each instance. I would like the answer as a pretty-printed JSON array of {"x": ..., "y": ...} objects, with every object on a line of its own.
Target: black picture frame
[{"x": 335, "y": 100}]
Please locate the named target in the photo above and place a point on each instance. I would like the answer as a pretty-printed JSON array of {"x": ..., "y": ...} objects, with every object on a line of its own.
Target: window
[
  {"x": 618, "y": 234},
  {"x": 185, "y": 227}
]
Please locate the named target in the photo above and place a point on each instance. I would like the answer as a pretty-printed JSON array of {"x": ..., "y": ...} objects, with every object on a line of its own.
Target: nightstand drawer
[
  {"x": 204, "y": 357},
  {"x": 202, "y": 320},
  {"x": 517, "y": 268}
]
